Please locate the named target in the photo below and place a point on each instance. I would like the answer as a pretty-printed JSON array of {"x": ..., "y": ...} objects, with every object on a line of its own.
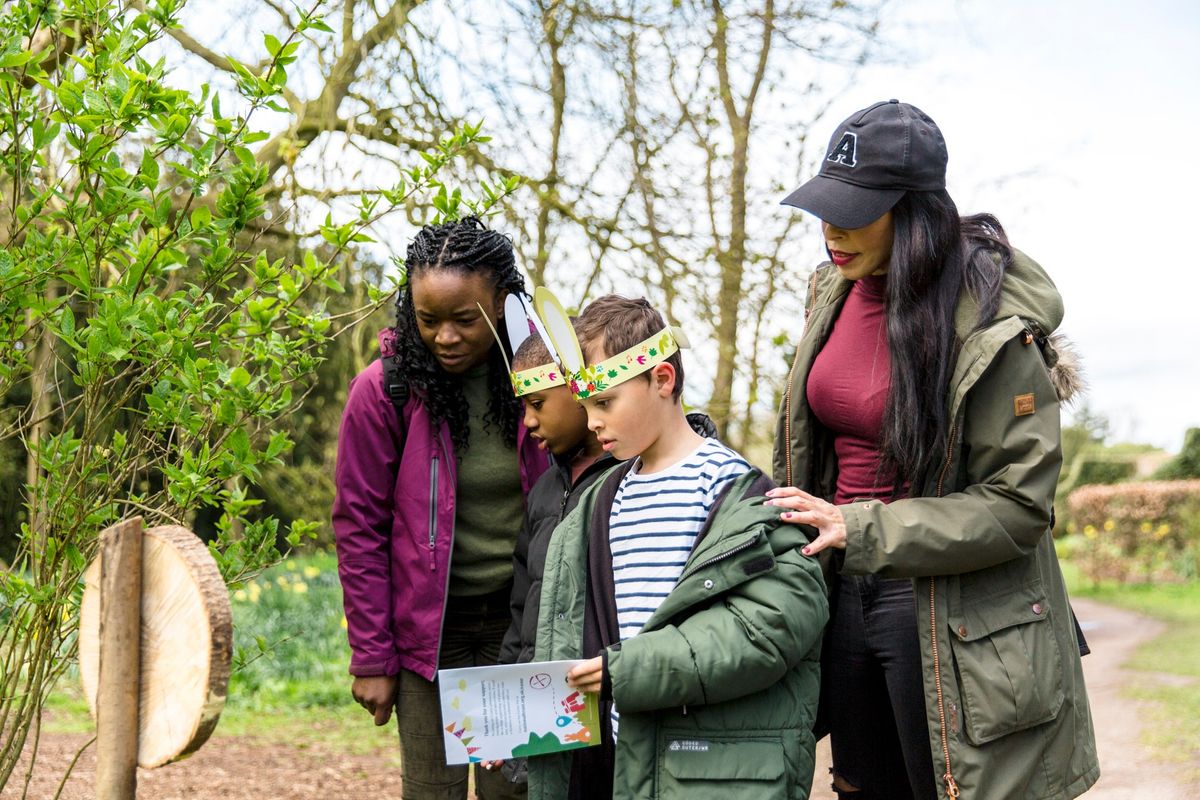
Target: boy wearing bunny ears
[
  {"x": 559, "y": 425},
  {"x": 697, "y": 617}
]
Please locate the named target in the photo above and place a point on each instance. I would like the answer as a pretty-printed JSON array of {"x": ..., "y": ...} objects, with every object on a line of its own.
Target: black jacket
[{"x": 548, "y": 502}]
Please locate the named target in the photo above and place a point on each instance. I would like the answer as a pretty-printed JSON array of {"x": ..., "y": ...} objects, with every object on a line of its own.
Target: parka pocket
[
  {"x": 1008, "y": 663},
  {"x": 697, "y": 766}
]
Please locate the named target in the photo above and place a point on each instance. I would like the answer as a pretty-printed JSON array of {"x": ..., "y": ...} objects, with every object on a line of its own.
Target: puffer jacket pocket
[
  {"x": 1008, "y": 663},
  {"x": 698, "y": 766}
]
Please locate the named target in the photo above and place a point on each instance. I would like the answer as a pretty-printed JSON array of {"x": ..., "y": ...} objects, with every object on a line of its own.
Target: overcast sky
[{"x": 1078, "y": 124}]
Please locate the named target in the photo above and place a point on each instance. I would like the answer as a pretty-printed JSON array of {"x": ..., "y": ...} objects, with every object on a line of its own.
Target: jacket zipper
[
  {"x": 809, "y": 305},
  {"x": 787, "y": 424},
  {"x": 948, "y": 777},
  {"x": 714, "y": 560},
  {"x": 719, "y": 557},
  {"x": 432, "y": 539},
  {"x": 433, "y": 487}
]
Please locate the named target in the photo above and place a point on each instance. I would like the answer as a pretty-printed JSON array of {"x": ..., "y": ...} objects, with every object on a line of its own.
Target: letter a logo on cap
[{"x": 845, "y": 151}]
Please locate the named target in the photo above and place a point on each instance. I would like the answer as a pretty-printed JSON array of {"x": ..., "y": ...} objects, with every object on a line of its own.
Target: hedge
[{"x": 1136, "y": 532}]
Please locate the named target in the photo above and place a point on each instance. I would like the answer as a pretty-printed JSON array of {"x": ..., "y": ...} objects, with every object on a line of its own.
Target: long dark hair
[
  {"x": 935, "y": 256},
  {"x": 464, "y": 246}
]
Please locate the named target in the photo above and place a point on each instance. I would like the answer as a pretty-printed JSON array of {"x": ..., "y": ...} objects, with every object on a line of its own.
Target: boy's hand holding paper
[{"x": 587, "y": 676}]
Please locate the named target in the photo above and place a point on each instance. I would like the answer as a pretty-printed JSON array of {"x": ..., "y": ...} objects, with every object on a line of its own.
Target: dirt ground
[
  {"x": 232, "y": 768},
  {"x": 226, "y": 768}
]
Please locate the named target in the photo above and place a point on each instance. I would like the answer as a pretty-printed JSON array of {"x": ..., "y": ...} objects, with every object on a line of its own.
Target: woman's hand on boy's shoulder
[{"x": 805, "y": 509}]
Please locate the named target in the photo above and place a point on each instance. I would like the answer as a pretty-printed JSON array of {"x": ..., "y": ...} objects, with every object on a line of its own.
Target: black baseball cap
[{"x": 874, "y": 157}]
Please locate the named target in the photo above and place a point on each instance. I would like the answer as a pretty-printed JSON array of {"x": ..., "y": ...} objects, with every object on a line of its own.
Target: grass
[
  {"x": 290, "y": 683},
  {"x": 1170, "y": 684}
]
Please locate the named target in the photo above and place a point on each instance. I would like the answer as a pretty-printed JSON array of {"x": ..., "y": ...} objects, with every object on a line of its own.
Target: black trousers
[{"x": 876, "y": 699}]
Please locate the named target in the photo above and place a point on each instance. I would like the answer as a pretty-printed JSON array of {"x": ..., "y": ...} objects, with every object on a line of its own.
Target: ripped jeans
[{"x": 878, "y": 730}]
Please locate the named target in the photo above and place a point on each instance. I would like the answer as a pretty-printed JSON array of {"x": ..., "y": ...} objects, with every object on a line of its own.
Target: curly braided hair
[{"x": 463, "y": 246}]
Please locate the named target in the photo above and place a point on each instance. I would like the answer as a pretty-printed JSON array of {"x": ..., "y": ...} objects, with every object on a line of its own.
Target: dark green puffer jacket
[
  {"x": 718, "y": 692},
  {"x": 1004, "y": 693}
]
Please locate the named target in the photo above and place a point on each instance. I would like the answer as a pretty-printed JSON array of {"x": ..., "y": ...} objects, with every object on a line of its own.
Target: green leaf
[
  {"x": 149, "y": 168},
  {"x": 239, "y": 378},
  {"x": 162, "y": 210},
  {"x": 226, "y": 412},
  {"x": 201, "y": 217},
  {"x": 239, "y": 443},
  {"x": 278, "y": 443},
  {"x": 272, "y": 44},
  {"x": 15, "y": 59}
]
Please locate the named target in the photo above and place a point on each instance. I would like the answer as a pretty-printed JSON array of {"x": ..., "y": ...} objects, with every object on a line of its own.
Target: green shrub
[
  {"x": 290, "y": 647},
  {"x": 1136, "y": 532},
  {"x": 1104, "y": 471},
  {"x": 1187, "y": 463}
]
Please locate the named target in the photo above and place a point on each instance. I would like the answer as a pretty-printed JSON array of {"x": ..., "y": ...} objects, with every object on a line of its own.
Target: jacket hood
[{"x": 1026, "y": 292}]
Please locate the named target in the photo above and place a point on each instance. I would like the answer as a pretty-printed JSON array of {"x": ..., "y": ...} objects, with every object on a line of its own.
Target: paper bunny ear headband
[
  {"x": 588, "y": 379},
  {"x": 521, "y": 323}
]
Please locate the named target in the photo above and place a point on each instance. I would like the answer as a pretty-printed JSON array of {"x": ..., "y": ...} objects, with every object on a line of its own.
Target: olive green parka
[
  {"x": 1004, "y": 693},
  {"x": 718, "y": 691}
]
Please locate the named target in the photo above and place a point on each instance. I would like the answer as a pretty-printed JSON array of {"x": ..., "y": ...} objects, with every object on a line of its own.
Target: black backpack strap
[{"x": 396, "y": 388}]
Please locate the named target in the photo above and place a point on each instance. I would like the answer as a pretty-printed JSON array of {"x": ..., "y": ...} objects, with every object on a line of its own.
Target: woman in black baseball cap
[{"x": 919, "y": 441}]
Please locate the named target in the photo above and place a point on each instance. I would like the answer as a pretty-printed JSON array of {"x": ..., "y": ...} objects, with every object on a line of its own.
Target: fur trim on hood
[{"x": 1066, "y": 368}]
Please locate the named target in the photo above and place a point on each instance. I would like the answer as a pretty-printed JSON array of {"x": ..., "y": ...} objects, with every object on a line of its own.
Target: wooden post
[{"x": 119, "y": 681}]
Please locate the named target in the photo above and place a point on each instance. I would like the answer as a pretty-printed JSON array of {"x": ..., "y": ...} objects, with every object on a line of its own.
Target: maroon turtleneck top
[{"x": 848, "y": 386}]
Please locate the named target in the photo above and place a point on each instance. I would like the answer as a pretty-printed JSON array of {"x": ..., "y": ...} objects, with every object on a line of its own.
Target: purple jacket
[{"x": 393, "y": 521}]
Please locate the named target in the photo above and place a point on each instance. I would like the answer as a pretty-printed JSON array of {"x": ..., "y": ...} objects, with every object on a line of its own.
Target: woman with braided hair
[{"x": 432, "y": 471}]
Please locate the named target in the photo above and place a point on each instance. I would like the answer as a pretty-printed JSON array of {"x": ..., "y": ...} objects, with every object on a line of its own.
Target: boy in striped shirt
[{"x": 698, "y": 618}]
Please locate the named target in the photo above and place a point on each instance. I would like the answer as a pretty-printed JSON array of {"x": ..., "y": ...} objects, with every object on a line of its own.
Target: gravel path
[{"x": 1127, "y": 770}]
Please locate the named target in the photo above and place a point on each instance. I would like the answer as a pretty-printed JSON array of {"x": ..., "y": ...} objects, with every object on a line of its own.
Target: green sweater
[{"x": 489, "y": 504}]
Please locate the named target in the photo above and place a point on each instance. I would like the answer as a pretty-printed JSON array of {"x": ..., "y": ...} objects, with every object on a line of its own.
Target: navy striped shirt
[{"x": 653, "y": 526}]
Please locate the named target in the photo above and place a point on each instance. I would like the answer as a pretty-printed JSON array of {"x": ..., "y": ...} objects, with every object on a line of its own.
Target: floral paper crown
[
  {"x": 589, "y": 379},
  {"x": 528, "y": 381},
  {"x": 523, "y": 323}
]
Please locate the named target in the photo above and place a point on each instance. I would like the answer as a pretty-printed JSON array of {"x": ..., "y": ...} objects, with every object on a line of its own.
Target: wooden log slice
[{"x": 187, "y": 640}]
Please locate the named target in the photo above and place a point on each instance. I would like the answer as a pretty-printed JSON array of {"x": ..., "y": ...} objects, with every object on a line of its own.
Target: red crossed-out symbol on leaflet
[{"x": 540, "y": 680}]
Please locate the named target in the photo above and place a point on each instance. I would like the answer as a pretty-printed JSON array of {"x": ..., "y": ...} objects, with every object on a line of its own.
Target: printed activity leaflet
[{"x": 514, "y": 710}]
